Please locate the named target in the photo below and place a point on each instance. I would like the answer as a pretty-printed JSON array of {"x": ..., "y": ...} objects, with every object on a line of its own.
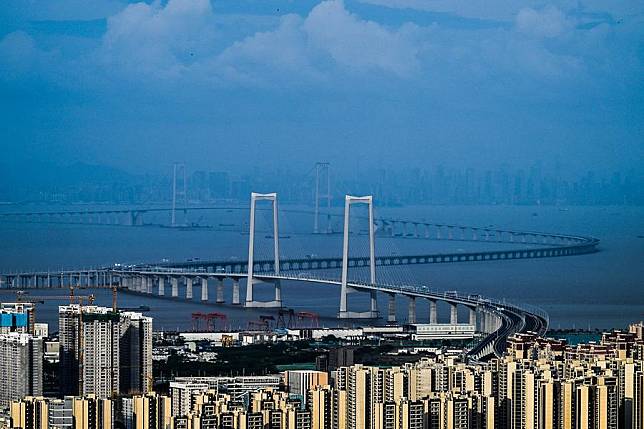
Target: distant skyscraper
[{"x": 21, "y": 357}]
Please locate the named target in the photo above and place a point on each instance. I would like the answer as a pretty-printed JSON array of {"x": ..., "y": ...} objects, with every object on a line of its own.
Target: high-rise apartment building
[
  {"x": 21, "y": 372},
  {"x": 299, "y": 382},
  {"x": 135, "y": 357},
  {"x": 70, "y": 412},
  {"x": 148, "y": 411},
  {"x": 103, "y": 352},
  {"x": 17, "y": 317}
]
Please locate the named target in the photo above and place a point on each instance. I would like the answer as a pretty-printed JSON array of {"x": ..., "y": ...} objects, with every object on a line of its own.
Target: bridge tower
[
  {"x": 251, "y": 281},
  {"x": 178, "y": 170},
  {"x": 345, "y": 289},
  {"x": 322, "y": 172}
]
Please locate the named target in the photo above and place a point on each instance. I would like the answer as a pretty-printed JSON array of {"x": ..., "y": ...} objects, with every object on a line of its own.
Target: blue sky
[{"x": 243, "y": 84}]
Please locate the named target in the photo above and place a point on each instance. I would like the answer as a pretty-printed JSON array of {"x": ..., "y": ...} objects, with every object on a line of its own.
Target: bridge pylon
[
  {"x": 344, "y": 313},
  {"x": 178, "y": 170},
  {"x": 322, "y": 172},
  {"x": 251, "y": 281}
]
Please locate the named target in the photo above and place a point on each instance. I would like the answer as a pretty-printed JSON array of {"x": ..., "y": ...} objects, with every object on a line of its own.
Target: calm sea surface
[{"x": 601, "y": 290}]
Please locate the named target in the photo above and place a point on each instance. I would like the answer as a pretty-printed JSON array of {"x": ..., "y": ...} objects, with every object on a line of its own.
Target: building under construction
[{"x": 104, "y": 352}]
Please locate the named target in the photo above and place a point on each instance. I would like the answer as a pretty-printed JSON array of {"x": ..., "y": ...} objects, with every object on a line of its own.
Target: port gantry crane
[{"x": 209, "y": 318}]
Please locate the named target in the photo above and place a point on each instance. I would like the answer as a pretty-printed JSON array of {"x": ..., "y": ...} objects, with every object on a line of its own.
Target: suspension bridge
[{"x": 496, "y": 319}]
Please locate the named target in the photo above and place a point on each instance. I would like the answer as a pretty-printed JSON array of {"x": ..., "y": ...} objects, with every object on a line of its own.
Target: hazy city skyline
[{"x": 538, "y": 185}]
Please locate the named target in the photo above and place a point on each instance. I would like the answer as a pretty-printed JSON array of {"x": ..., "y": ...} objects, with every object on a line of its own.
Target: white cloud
[
  {"x": 20, "y": 57},
  {"x": 361, "y": 45},
  {"x": 547, "y": 22},
  {"x": 329, "y": 39},
  {"x": 179, "y": 42},
  {"x": 279, "y": 55},
  {"x": 158, "y": 40}
]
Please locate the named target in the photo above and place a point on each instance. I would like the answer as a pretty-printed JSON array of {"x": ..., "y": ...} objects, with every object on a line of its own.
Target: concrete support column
[
  {"x": 411, "y": 317},
  {"x": 161, "y": 286},
  {"x": 374, "y": 304},
  {"x": 278, "y": 291},
  {"x": 188, "y": 287},
  {"x": 472, "y": 311},
  {"x": 433, "y": 314},
  {"x": 220, "y": 291},
  {"x": 391, "y": 308},
  {"x": 175, "y": 287},
  {"x": 204, "y": 289},
  {"x": 236, "y": 292},
  {"x": 148, "y": 284},
  {"x": 453, "y": 315}
]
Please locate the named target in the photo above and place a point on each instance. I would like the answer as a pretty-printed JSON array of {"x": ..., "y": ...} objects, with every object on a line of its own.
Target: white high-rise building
[{"x": 21, "y": 357}]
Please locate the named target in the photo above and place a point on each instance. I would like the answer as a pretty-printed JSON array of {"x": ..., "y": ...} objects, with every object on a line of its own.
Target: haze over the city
[{"x": 256, "y": 85}]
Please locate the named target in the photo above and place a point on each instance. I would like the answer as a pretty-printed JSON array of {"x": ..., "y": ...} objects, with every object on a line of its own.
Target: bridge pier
[
  {"x": 278, "y": 291},
  {"x": 236, "y": 292},
  {"x": 161, "y": 286},
  {"x": 411, "y": 310},
  {"x": 148, "y": 284},
  {"x": 189, "y": 288},
  {"x": 472, "y": 316},
  {"x": 391, "y": 308},
  {"x": 204, "y": 288},
  {"x": 433, "y": 314},
  {"x": 220, "y": 291},
  {"x": 175, "y": 287},
  {"x": 453, "y": 316}
]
